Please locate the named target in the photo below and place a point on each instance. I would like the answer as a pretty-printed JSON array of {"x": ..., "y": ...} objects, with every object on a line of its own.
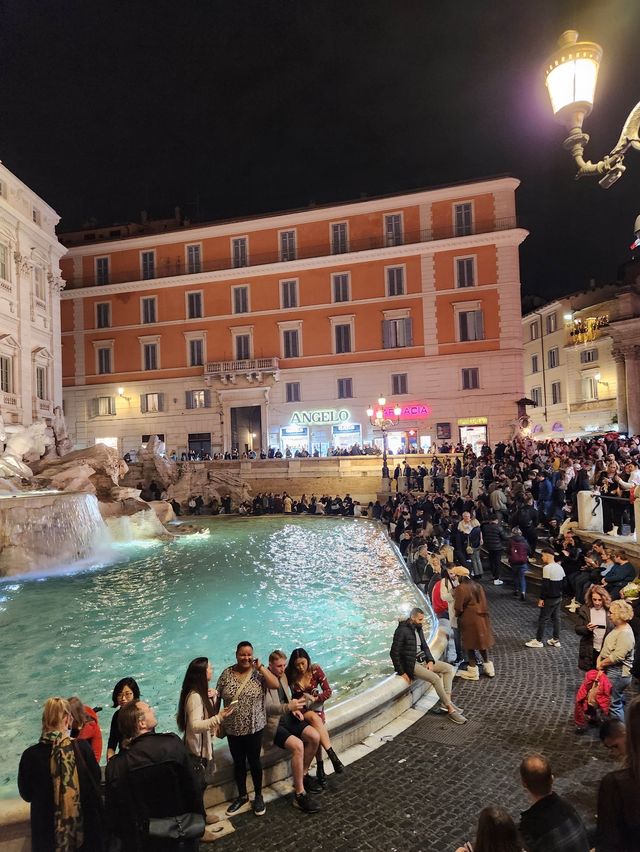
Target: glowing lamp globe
[
  {"x": 369, "y": 412},
  {"x": 570, "y": 76}
]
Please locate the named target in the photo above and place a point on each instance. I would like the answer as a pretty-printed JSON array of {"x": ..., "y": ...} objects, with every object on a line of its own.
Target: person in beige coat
[{"x": 474, "y": 623}]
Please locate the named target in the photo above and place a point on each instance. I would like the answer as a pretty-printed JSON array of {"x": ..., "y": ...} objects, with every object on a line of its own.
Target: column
[
  {"x": 632, "y": 363},
  {"x": 621, "y": 389}
]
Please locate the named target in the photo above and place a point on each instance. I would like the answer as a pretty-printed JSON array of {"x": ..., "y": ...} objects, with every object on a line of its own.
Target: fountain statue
[{"x": 21, "y": 441}]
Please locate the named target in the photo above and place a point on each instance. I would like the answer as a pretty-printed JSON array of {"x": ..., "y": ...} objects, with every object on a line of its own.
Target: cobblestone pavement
[{"x": 422, "y": 791}]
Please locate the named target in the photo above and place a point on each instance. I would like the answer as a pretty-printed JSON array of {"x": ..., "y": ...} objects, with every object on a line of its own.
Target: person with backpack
[{"x": 518, "y": 553}]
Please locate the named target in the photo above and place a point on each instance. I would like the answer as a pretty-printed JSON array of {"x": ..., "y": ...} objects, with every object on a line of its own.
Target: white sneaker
[
  {"x": 555, "y": 643},
  {"x": 533, "y": 643},
  {"x": 498, "y": 583}
]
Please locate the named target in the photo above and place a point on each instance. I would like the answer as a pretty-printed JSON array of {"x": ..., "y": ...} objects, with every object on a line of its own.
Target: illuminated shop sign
[
  {"x": 294, "y": 431},
  {"x": 472, "y": 421},
  {"x": 411, "y": 411},
  {"x": 329, "y": 415},
  {"x": 346, "y": 429}
]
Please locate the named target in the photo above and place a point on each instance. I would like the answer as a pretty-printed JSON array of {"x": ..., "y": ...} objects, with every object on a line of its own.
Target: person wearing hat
[{"x": 472, "y": 612}]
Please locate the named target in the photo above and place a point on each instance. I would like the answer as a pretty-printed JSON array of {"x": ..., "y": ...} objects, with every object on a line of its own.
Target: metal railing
[
  {"x": 169, "y": 267},
  {"x": 244, "y": 366}
]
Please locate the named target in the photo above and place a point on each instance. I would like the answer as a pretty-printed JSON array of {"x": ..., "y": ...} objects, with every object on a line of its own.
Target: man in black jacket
[
  {"x": 150, "y": 777},
  {"x": 412, "y": 659},
  {"x": 494, "y": 540}
]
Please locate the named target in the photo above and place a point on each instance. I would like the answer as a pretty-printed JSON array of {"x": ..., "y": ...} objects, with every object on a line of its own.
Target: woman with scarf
[{"x": 60, "y": 777}]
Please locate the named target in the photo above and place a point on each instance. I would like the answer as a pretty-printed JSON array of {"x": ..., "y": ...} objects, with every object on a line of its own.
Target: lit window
[{"x": 198, "y": 399}]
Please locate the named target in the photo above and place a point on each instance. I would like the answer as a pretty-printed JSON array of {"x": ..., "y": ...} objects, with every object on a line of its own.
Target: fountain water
[{"x": 43, "y": 529}]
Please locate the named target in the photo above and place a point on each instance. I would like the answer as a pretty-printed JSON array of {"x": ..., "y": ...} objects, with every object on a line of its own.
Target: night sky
[{"x": 234, "y": 108}]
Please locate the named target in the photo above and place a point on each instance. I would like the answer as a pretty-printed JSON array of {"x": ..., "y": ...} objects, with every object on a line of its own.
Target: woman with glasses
[{"x": 124, "y": 691}]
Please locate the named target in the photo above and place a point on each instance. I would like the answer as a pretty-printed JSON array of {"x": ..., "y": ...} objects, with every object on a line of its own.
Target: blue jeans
[
  {"x": 618, "y": 685},
  {"x": 520, "y": 579}
]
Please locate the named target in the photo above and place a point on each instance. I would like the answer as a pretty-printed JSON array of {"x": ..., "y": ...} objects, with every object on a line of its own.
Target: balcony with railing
[
  {"x": 249, "y": 367},
  {"x": 168, "y": 268}
]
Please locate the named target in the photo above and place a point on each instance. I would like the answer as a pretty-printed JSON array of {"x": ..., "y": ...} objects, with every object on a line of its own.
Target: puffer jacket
[
  {"x": 493, "y": 536},
  {"x": 404, "y": 647}
]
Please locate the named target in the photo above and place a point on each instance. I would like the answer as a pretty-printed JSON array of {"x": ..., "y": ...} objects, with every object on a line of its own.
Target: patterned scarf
[{"x": 68, "y": 831}]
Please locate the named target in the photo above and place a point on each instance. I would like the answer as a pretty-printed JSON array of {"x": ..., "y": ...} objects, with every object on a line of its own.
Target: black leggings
[
  {"x": 473, "y": 660},
  {"x": 246, "y": 749}
]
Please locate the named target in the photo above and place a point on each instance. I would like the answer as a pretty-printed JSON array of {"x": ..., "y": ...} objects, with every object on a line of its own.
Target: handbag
[
  {"x": 181, "y": 827},
  {"x": 203, "y": 768},
  {"x": 221, "y": 732}
]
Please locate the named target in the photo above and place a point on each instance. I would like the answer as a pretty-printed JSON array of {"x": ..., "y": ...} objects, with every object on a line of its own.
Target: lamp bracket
[{"x": 611, "y": 167}]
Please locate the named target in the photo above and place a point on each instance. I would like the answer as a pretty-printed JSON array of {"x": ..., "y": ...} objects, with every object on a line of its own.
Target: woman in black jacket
[
  {"x": 60, "y": 777},
  {"x": 592, "y": 626}
]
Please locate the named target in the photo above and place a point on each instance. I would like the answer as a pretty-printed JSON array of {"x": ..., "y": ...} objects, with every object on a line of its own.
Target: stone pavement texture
[{"x": 422, "y": 791}]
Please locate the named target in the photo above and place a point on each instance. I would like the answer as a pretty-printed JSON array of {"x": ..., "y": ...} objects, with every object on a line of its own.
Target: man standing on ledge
[{"x": 412, "y": 659}]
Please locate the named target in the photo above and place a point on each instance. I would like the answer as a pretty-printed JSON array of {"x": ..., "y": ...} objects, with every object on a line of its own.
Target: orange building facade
[{"x": 280, "y": 331}]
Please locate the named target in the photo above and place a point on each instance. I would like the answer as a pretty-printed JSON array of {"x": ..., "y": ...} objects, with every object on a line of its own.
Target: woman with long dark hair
[
  {"x": 124, "y": 691},
  {"x": 308, "y": 681},
  {"x": 196, "y": 715},
  {"x": 497, "y": 832},
  {"x": 474, "y": 623},
  {"x": 60, "y": 777}
]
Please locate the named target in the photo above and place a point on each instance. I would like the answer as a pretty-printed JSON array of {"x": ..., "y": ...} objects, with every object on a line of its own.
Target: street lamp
[
  {"x": 377, "y": 418},
  {"x": 570, "y": 76}
]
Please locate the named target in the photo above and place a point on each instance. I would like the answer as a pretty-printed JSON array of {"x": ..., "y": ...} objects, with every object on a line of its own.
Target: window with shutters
[
  {"x": 393, "y": 229},
  {"x": 397, "y": 333},
  {"x": 103, "y": 315},
  {"x": 534, "y": 364},
  {"x": 289, "y": 294},
  {"x": 151, "y": 402},
  {"x": 287, "y": 245},
  {"x": 342, "y": 338},
  {"x": 290, "y": 343},
  {"x": 194, "y": 304},
  {"x": 102, "y": 270},
  {"x": 340, "y": 287},
  {"x": 345, "y": 388},
  {"x": 552, "y": 323},
  {"x": 589, "y": 388},
  {"x": 533, "y": 331},
  {"x": 240, "y": 297},
  {"x": 553, "y": 357},
  {"x": 588, "y": 356},
  {"x": 339, "y": 238},
  {"x": 470, "y": 378},
  {"x": 536, "y": 396},
  {"x": 240, "y": 251},
  {"x": 150, "y": 356},
  {"x": 395, "y": 280},
  {"x": 104, "y": 358},
  {"x": 556, "y": 393},
  {"x": 148, "y": 264},
  {"x": 4, "y": 262},
  {"x": 148, "y": 309},
  {"x": 196, "y": 352},
  {"x": 6, "y": 373},
  {"x": 463, "y": 219},
  {"x": 39, "y": 289},
  {"x": 41, "y": 382},
  {"x": 194, "y": 260},
  {"x": 103, "y": 406},
  {"x": 471, "y": 325},
  {"x": 399, "y": 383},
  {"x": 465, "y": 272},
  {"x": 292, "y": 391},
  {"x": 243, "y": 347},
  {"x": 198, "y": 399}
]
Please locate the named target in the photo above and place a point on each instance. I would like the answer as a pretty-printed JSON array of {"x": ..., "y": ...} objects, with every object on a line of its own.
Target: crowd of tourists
[
  {"x": 153, "y": 788},
  {"x": 154, "y": 782}
]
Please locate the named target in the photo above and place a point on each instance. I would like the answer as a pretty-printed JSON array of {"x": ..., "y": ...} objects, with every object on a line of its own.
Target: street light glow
[{"x": 571, "y": 74}]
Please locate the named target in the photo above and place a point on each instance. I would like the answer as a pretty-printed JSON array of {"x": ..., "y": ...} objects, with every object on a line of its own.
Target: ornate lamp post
[
  {"x": 377, "y": 418},
  {"x": 570, "y": 76}
]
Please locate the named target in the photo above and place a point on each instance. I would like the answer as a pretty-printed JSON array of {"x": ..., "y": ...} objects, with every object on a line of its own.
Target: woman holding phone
[{"x": 243, "y": 686}]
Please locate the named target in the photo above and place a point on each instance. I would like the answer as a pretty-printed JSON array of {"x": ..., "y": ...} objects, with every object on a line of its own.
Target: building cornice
[
  {"x": 334, "y": 213},
  {"x": 293, "y": 268}
]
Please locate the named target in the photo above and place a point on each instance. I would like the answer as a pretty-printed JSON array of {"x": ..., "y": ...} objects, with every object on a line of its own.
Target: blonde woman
[
  {"x": 60, "y": 778},
  {"x": 616, "y": 656}
]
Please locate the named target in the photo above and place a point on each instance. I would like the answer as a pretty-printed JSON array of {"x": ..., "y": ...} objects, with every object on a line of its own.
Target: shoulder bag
[{"x": 221, "y": 732}]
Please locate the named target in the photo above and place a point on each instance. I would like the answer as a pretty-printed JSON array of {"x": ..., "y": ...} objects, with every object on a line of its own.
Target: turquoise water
[{"x": 333, "y": 586}]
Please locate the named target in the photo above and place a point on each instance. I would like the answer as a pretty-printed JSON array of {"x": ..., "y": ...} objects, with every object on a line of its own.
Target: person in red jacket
[{"x": 86, "y": 725}]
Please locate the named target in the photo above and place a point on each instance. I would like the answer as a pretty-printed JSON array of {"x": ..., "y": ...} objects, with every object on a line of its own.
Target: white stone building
[{"x": 30, "y": 284}]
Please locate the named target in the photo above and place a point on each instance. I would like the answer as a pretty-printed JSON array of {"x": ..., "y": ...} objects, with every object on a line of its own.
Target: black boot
[
  {"x": 320, "y": 773},
  {"x": 338, "y": 766}
]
